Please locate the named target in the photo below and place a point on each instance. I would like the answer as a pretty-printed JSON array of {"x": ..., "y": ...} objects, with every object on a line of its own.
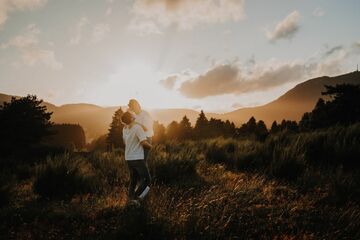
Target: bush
[
  {"x": 4, "y": 195},
  {"x": 110, "y": 168},
  {"x": 221, "y": 150},
  {"x": 6, "y": 183},
  {"x": 235, "y": 154},
  {"x": 172, "y": 166},
  {"x": 63, "y": 176}
]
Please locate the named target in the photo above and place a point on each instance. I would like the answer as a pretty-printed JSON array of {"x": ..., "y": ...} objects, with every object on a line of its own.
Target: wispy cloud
[
  {"x": 285, "y": 29},
  {"x": 184, "y": 14},
  {"x": 99, "y": 32},
  {"x": 79, "y": 28},
  {"x": 318, "y": 12},
  {"x": 29, "y": 47},
  {"x": 87, "y": 32},
  {"x": 8, "y": 6}
]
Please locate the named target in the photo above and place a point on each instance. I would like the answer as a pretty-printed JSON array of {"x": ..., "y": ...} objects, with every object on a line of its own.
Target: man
[
  {"x": 135, "y": 143},
  {"x": 144, "y": 119}
]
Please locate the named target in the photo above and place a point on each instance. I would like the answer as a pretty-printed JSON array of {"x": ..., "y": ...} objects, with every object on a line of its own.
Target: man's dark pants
[{"x": 139, "y": 175}]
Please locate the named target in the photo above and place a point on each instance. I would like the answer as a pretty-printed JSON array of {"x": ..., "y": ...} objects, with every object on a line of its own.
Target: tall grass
[
  {"x": 288, "y": 156},
  {"x": 63, "y": 176},
  {"x": 169, "y": 164},
  {"x": 283, "y": 188}
]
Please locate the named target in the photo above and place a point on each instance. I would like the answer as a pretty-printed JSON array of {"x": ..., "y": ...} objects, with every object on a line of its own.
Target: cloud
[
  {"x": 169, "y": 82},
  {"x": 186, "y": 14},
  {"x": 99, "y": 32},
  {"x": 76, "y": 39},
  {"x": 31, "y": 53},
  {"x": 232, "y": 79},
  {"x": 108, "y": 11},
  {"x": 333, "y": 50},
  {"x": 286, "y": 29},
  {"x": 143, "y": 28},
  {"x": 84, "y": 30},
  {"x": 8, "y": 6},
  {"x": 318, "y": 12},
  {"x": 237, "y": 105}
]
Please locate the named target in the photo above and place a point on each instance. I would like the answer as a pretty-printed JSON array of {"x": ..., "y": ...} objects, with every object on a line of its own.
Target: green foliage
[
  {"x": 201, "y": 126},
  {"x": 185, "y": 129},
  {"x": 68, "y": 136},
  {"x": 114, "y": 138},
  {"x": 172, "y": 131},
  {"x": 110, "y": 168},
  {"x": 342, "y": 108},
  {"x": 24, "y": 122},
  {"x": 253, "y": 130},
  {"x": 6, "y": 185},
  {"x": 159, "y": 132},
  {"x": 172, "y": 165},
  {"x": 63, "y": 176},
  {"x": 98, "y": 144},
  {"x": 235, "y": 154}
]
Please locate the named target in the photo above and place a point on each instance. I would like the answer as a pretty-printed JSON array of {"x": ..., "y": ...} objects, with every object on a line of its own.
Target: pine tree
[
  {"x": 185, "y": 128},
  {"x": 172, "y": 130},
  {"x": 114, "y": 137},
  {"x": 274, "y": 128},
  {"x": 261, "y": 131},
  {"x": 251, "y": 125},
  {"x": 201, "y": 126},
  {"x": 159, "y": 132}
]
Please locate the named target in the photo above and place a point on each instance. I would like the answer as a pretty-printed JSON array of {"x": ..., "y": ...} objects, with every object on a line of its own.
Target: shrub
[
  {"x": 63, "y": 176},
  {"x": 221, "y": 150},
  {"x": 4, "y": 195},
  {"x": 109, "y": 167},
  {"x": 288, "y": 161},
  {"x": 6, "y": 183},
  {"x": 168, "y": 167},
  {"x": 235, "y": 154}
]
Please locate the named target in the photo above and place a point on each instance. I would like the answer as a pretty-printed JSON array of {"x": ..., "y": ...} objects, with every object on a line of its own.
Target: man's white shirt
[
  {"x": 145, "y": 119},
  {"x": 132, "y": 138}
]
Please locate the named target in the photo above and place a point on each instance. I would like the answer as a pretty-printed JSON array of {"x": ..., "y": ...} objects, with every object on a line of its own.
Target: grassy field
[{"x": 292, "y": 186}]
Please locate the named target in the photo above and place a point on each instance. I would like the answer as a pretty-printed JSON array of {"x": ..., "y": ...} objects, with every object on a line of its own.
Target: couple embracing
[{"x": 137, "y": 136}]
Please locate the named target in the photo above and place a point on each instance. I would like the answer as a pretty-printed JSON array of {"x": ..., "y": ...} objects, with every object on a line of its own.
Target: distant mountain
[
  {"x": 302, "y": 98},
  {"x": 294, "y": 103}
]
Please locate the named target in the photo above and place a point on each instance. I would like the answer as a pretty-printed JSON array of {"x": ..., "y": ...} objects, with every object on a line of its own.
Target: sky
[{"x": 215, "y": 55}]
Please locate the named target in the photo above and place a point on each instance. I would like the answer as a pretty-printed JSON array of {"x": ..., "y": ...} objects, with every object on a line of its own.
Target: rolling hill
[
  {"x": 294, "y": 103},
  {"x": 302, "y": 98}
]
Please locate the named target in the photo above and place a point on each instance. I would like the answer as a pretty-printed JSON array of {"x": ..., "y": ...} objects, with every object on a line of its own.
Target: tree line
[
  {"x": 343, "y": 107},
  {"x": 25, "y": 123},
  {"x": 25, "y": 127}
]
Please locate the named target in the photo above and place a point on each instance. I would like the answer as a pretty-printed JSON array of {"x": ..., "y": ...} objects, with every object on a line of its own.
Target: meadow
[{"x": 290, "y": 186}]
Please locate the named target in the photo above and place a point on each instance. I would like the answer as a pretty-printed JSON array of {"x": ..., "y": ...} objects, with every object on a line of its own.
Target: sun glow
[{"x": 136, "y": 80}]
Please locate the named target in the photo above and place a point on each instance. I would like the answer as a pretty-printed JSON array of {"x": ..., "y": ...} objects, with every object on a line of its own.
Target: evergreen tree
[
  {"x": 24, "y": 122},
  {"x": 185, "y": 128},
  {"x": 251, "y": 125},
  {"x": 201, "y": 126},
  {"x": 159, "y": 132},
  {"x": 172, "y": 130},
  {"x": 114, "y": 137},
  {"x": 274, "y": 128},
  {"x": 261, "y": 131},
  {"x": 342, "y": 108}
]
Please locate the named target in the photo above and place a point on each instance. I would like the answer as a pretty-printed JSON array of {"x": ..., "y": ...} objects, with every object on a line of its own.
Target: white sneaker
[
  {"x": 145, "y": 192},
  {"x": 134, "y": 203}
]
